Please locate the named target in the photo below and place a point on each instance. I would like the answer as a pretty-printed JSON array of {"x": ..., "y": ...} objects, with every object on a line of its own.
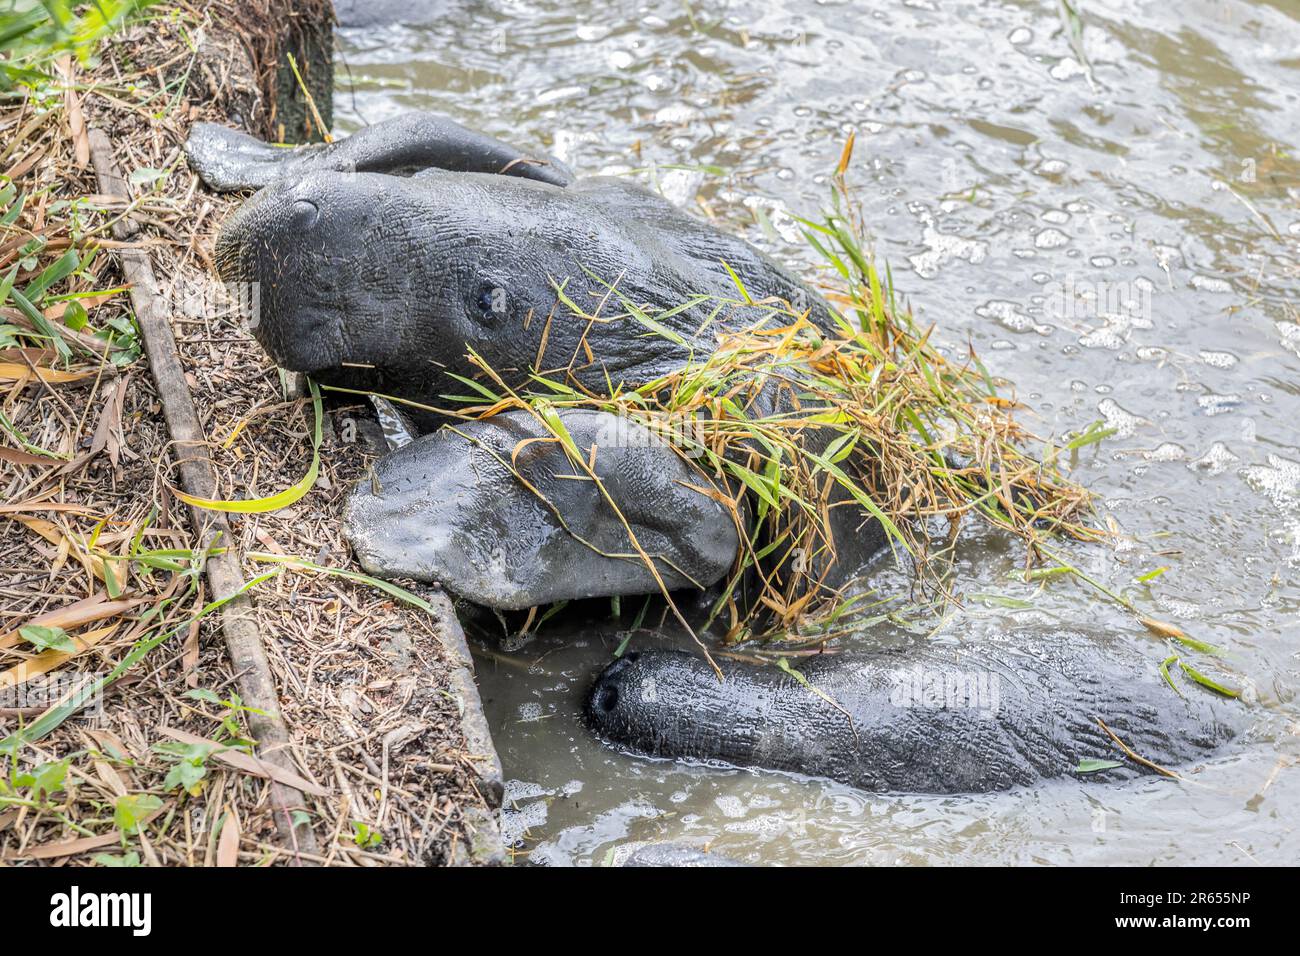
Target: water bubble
[
  {"x": 1050, "y": 239},
  {"x": 1210, "y": 284}
]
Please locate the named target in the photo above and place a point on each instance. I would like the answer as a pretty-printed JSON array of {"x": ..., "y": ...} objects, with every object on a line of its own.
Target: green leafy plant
[
  {"x": 35, "y": 32},
  {"x": 48, "y": 638},
  {"x": 189, "y": 765},
  {"x": 131, "y": 811},
  {"x": 231, "y": 733},
  {"x": 364, "y": 837}
]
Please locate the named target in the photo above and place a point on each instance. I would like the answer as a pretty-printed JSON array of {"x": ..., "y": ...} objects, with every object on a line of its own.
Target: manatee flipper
[
  {"x": 449, "y": 508},
  {"x": 228, "y": 160}
]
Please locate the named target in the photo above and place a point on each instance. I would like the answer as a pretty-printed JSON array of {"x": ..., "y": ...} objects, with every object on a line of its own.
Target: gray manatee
[
  {"x": 932, "y": 718},
  {"x": 382, "y": 279},
  {"x": 449, "y": 508}
]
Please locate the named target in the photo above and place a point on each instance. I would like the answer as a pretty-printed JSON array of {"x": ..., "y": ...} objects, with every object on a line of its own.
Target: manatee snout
[
  {"x": 608, "y": 693},
  {"x": 322, "y": 291},
  {"x": 667, "y": 703}
]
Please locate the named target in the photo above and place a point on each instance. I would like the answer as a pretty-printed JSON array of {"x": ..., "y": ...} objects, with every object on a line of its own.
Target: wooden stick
[{"x": 238, "y": 625}]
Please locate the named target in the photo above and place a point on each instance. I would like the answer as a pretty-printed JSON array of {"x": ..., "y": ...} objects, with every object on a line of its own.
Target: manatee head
[
  {"x": 387, "y": 282},
  {"x": 354, "y": 279}
]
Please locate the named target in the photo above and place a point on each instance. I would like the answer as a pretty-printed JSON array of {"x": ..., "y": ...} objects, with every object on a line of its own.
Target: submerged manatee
[
  {"x": 934, "y": 718},
  {"x": 449, "y": 508}
]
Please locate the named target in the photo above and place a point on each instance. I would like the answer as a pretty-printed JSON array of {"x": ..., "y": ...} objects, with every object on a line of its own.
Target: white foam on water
[
  {"x": 1166, "y": 451},
  {"x": 517, "y": 821},
  {"x": 679, "y": 186},
  {"x": 530, "y": 711},
  {"x": 1213, "y": 404},
  {"x": 1290, "y": 332},
  {"x": 1216, "y": 460},
  {"x": 768, "y": 823},
  {"x": 941, "y": 247},
  {"x": 1218, "y": 359},
  {"x": 1050, "y": 238},
  {"x": 1124, "y": 422},
  {"x": 1007, "y": 314},
  {"x": 1067, "y": 69},
  {"x": 676, "y": 115},
  {"x": 1210, "y": 284},
  {"x": 1116, "y": 329},
  {"x": 730, "y": 805},
  {"x": 1279, "y": 481}
]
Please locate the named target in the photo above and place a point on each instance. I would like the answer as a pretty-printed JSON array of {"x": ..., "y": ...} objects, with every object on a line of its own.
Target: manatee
[
  {"x": 448, "y": 507},
  {"x": 384, "y": 281},
  {"x": 936, "y": 717},
  {"x": 383, "y": 260}
]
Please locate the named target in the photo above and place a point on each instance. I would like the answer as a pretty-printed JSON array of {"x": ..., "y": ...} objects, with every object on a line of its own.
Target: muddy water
[{"x": 1118, "y": 233}]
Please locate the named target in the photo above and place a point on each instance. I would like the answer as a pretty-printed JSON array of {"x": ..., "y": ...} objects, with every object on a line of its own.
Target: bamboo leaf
[{"x": 284, "y": 498}]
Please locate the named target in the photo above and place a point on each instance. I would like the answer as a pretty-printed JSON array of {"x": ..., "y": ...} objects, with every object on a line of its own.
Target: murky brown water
[{"x": 1124, "y": 246}]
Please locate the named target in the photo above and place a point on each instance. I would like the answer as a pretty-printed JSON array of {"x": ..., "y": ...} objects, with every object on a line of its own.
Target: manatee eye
[
  {"x": 305, "y": 213},
  {"x": 490, "y": 301}
]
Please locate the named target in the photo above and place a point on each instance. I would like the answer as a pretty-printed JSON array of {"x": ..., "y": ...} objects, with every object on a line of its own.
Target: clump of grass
[
  {"x": 34, "y": 32},
  {"x": 785, "y": 421}
]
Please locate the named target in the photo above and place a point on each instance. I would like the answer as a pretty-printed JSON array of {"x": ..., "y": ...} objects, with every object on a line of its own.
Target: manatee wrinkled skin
[
  {"x": 936, "y": 718},
  {"x": 677, "y": 856},
  {"x": 448, "y": 508},
  {"x": 228, "y": 160}
]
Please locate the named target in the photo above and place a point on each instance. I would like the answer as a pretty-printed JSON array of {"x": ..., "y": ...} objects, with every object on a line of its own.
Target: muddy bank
[{"x": 377, "y": 696}]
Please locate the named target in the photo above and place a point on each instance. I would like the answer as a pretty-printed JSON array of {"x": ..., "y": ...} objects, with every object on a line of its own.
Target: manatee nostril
[
  {"x": 305, "y": 212},
  {"x": 633, "y": 656},
  {"x": 607, "y": 699}
]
